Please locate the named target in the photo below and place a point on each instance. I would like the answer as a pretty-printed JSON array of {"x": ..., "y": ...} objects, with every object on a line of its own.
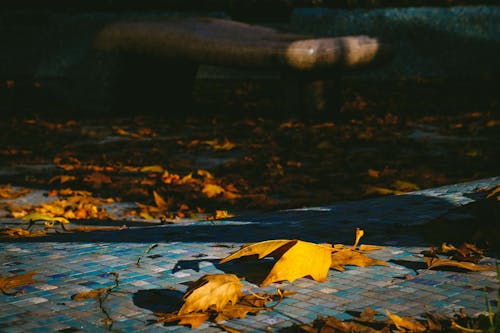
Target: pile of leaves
[
  {"x": 241, "y": 159},
  {"x": 369, "y": 321},
  {"x": 219, "y": 297}
]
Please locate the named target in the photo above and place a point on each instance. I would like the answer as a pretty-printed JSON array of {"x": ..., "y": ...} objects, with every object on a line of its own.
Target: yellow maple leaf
[
  {"x": 211, "y": 290},
  {"x": 297, "y": 259}
]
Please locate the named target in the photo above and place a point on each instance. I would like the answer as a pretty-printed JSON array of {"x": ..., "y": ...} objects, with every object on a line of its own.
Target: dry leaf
[
  {"x": 152, "y": 169},
  {"x": 89, "y": 294},
  {"x": 7, "y": 192},
  {"x": 406, "y": 324},
  {"x": 193, "y": 319},
  {"x": 212, "y": 190},
  {"x": 350, "y": 257},
  {"x": 160, "y": 202},
  {"x": 211, "y": 290},
  {"x": 297, "y": 259},
  {"x": 7, "y": 283},
  {"x": 443, "y": 262},
  {"x": 20, "y": 232},
  {"x": 220, "y": 214}
]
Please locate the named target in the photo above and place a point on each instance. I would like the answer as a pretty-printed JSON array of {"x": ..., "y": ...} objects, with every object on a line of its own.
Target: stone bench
[{"x": 159, "y": 60}]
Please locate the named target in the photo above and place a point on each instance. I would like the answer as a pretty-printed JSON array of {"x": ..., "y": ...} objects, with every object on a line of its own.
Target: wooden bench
[{"x": 159, "y": 60}]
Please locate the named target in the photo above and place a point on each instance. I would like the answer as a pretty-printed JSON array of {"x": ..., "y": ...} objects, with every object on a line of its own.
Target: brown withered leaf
[
  {"x": 239, "y": 308},
  {"x": 433, "y": 262},
  {"x": 348, "y": 257},
  {"x": 344, "y": 256},
  {"x": 95, "y": 293},
  {"x": 406, "y": 324},
  {"x": 211, "y": 290},
  {"x": 296, "y": 259},
  {"x": 193, "y": 319},
  {"x": 8, "y": 283}
]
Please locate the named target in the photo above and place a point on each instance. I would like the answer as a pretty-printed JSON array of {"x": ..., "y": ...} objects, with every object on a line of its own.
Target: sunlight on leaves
[
  {"x": 211, "y": 290},
  {"x": 7, "y": 192},
  {"x": 219, "y": 297},
  {"x": 295, "y": 259}
]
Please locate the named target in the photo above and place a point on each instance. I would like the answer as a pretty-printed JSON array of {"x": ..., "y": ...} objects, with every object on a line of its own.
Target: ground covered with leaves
[{"x": 239, "y": 152}]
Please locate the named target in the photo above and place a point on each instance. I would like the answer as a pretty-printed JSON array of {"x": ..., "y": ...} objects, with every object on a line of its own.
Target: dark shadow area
[
  {"x": 254, "y": 270},
  {"x": 158, "y": 300},
  {"x": 191, "y": 264},
  {"x": 391, "y": 219}
]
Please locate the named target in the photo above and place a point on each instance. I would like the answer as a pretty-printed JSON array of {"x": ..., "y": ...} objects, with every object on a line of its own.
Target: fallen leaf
[
  {"x": 152, "y": 169},
  {"x": 359, "y": 233},
  {"x": 220, "y": 214},
  {"x": 160, "y": 202},
  {"x": 297, "y": 259},
  {"x": 212, "y": 190},
  {"x": 20, "y": 232},
  {"x": 7, "y": 283},
  {"x": 406, "y": 324},
  {"x": 348, "y": 257},
  {"x": 211, "y": 290},
  {"x": 193, "y": 319},
  {"x": 443, "y": 262},
  {"x": 89, "y": 294},
  {"x": 7, "y": 192}
]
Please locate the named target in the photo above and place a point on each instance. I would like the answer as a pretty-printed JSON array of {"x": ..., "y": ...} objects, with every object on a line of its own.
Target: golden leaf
[
  {"x": 442, "y": 262},
  {"x": 194, "y": 319},
  {"x": 406, "y": 324},
  {"x": 89, "y": 294},
  {"x": 211, "y": 290},
  {"x": 297, "y": 259},
  {"x": 220, "y": 214},
  {"x": 7, "y": 283},
  {"x": 212, "y": 190},
  {"x": 205, "y": 174},
  {"x": 350, "y": 257}
]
